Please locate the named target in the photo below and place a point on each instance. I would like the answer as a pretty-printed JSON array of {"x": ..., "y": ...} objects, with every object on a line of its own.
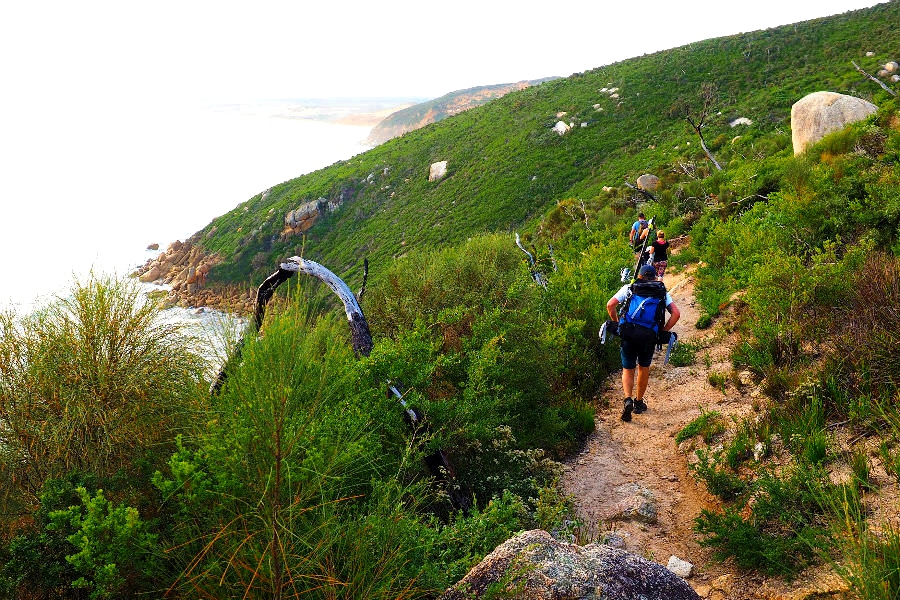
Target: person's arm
[
  {"x": 673, "y": 317},
  {"x": 611, "y": 309}
]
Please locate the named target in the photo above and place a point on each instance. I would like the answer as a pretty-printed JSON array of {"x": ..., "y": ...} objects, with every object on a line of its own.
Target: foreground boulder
[
  {"x": 534, "y": 566},
  {"x": 816, "y": 115}
]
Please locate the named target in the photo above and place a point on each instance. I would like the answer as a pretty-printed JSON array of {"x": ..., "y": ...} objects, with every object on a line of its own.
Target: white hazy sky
[{"x": 84, "y": 51}]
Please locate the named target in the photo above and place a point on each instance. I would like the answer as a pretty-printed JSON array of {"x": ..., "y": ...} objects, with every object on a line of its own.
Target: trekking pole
[{"x": 670, "y": 347}]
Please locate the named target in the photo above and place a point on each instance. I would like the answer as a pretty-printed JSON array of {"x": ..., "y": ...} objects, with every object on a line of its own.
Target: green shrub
[
  {"x": 113, "y": 548},
  {"x": 96, "y": 383},
  {"x": 717, "y": 380},
  {"x": 784, "y": 528},
  {"x": 704, "y": 321},
  {"x": 741, "y": 447},
  {"x": 719, "y": 479},
  {"x": 734, "y": 537},
  {"x": 684, "y": 355},
  {"x": 708, "y": 425}
]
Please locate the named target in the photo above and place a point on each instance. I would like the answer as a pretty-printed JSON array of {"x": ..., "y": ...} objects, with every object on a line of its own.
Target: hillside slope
[{"x": 507, "y": 166}]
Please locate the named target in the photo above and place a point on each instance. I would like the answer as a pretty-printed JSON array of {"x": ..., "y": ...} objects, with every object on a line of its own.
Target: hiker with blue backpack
[{"x": 641, "y": 325}]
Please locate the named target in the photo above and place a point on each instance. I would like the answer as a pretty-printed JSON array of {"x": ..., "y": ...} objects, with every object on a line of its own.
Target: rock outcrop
[
  {"x": 561, "y": 127},
  {"x": 816, "y": 115},
  {"x": 437, "y": 171},
  {"x": 184, "y": 266},
  {"x": 534, "y": 566},
  {"x": 303, "y": 217}
]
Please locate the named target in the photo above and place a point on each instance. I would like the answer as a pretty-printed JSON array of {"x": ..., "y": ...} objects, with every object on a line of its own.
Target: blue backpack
[{"x": 643, "y": 313}]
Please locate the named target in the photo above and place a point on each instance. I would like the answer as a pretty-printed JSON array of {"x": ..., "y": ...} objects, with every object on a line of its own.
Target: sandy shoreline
[{"x": 370, "y": 119}]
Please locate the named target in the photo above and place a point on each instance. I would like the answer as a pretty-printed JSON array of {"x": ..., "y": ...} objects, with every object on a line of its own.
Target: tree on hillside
[{"x": 696, "y": 112}]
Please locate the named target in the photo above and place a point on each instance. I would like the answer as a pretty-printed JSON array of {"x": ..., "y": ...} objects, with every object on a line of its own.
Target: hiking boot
[
  {"x": 629, "y": 406},
  {"x": 639, "y": 406}
]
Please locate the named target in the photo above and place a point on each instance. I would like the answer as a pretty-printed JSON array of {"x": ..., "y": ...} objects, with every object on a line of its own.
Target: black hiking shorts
[{"x": 634, "y": 354}]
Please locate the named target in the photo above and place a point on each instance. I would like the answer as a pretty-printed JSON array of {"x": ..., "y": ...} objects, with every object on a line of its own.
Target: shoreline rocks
[{"x": 185, "y": 266}]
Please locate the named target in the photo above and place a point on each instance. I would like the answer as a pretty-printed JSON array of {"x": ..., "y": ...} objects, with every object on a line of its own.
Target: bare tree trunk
[
  {"x": 532, "y": 264},
  {"x": 697, "y": 125}
]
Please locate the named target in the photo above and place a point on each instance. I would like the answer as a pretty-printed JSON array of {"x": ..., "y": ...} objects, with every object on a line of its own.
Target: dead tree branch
[
  {"x": 532, "y": 264},
  {"x": 360, "y": 336},
  {"x": 875, "y": 79}
]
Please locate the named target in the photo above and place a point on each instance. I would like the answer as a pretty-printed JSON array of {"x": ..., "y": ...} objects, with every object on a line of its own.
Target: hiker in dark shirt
[
  {"x": 638, "y": 355},
  {"x": 659, "y": 254}
]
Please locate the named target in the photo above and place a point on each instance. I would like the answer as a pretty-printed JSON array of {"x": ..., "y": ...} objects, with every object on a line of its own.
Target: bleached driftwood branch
[
  {"x": 875, "y": 79},
  {"x": 360, "y": 336},
  {"x": 535, "y": 274}
]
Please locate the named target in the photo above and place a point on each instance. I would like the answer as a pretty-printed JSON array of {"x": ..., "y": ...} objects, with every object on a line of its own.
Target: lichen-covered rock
[
  {"x": 648, "y": 182},
  {"x": 437, "y": 171},
  {"x": 561, "y": 127},
  {"x": 534, "y": 566},
  {"x": 637, "y": 504},
  {"x": 816, "y": 115}
]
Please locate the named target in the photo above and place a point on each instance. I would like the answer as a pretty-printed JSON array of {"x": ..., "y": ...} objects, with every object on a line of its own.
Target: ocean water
[{"x": 87, "y": 192}]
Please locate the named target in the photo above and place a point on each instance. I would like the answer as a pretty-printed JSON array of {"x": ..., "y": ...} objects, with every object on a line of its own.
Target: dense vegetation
[{"x": 121, "y": 476}]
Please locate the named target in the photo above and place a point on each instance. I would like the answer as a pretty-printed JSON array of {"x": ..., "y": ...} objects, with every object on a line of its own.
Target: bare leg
[
  {"x": 643, "y": 379},
  {"x": 628, "y": 382}
]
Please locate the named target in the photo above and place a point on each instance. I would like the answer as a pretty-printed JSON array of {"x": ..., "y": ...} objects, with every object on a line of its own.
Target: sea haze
[{"x": 90, "y": 191}]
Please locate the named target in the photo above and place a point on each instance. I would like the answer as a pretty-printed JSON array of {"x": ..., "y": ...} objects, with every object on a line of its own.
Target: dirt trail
[{"x": 631, "y": 483}]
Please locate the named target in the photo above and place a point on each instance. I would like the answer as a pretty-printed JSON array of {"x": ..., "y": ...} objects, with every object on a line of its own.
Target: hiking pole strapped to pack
[
  {"x": 650, "y": 225},
  {"x": 670, "y": 345}
]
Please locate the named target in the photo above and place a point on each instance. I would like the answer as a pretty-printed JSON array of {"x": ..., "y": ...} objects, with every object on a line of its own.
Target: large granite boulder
[
  {"x": 816, "y": 115},
  {"x": 648, "y": 182},
  {"x": 534, "y": 566}
]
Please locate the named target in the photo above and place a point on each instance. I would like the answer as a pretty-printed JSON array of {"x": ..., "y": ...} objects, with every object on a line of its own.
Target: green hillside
[{"x": 507, "y": 166}]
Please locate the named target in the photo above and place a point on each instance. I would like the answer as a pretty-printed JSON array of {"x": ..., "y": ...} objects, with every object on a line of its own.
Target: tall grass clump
[
  {"x": 868, "y": 554},
  {"x": 278, "y": 494},
  {"x": 94, "y": 389},
  {"x": 94, "y": 382}
]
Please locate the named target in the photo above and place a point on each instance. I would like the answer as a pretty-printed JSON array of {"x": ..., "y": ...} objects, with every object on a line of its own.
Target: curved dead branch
[
  {"x": 360, "y": 336},
  {"x": 532, "y": 264}
]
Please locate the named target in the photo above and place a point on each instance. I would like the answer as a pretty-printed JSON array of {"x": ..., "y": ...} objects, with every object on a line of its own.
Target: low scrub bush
[
  {"x": 720, "y": 480},
  {"x": 684, "y": 355},
  {"x": 96, "y": 383},
  {"x": 778, "y": 532},
  {"x": 708, "y": 425}
]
